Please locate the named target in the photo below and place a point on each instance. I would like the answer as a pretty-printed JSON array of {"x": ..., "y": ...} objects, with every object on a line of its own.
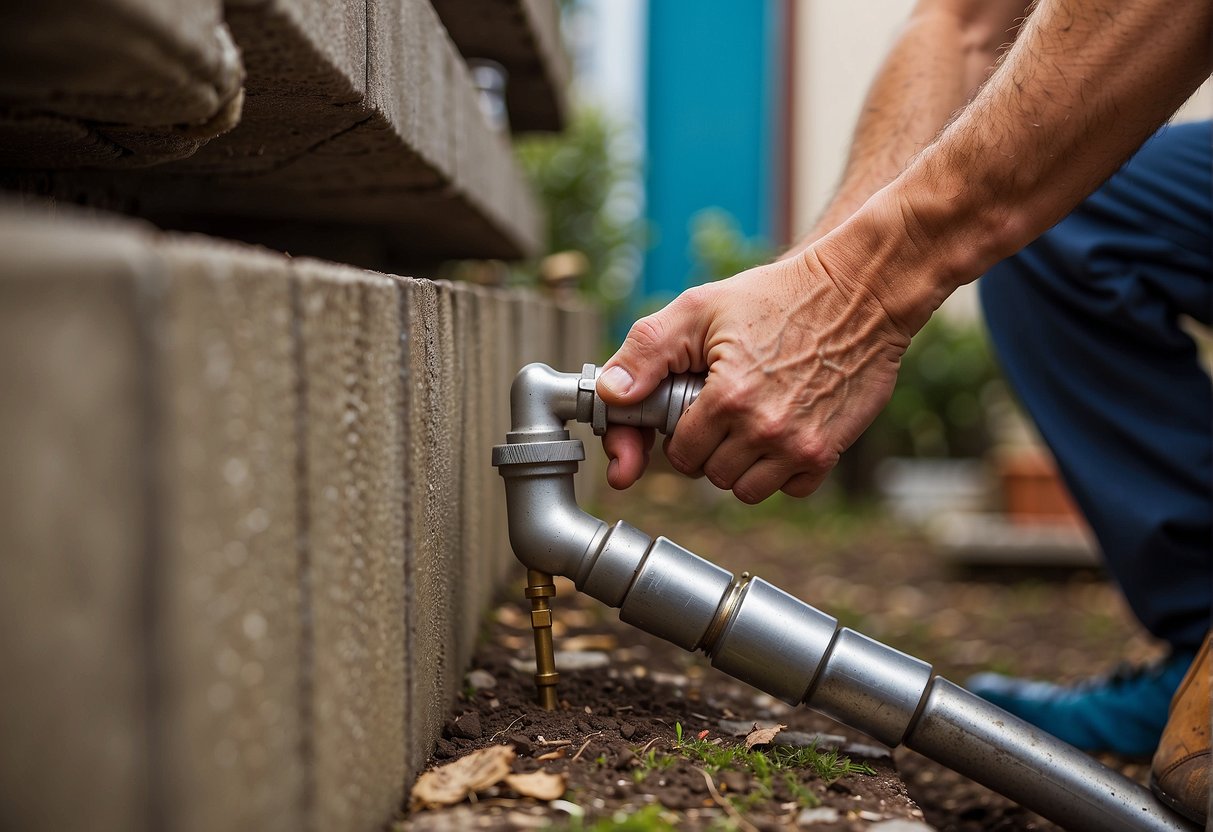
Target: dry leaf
[
  {"x": 762, "y": 736},
  {"x": 540, "y": 785},
  {"x": 453, "y": 782}
]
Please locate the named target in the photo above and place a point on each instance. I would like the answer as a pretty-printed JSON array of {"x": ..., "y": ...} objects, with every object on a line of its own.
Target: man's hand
[{"x": 799, "y": 363}]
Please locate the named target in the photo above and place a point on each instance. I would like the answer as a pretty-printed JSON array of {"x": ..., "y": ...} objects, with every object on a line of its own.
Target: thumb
[{"x": 669, "y": 341}]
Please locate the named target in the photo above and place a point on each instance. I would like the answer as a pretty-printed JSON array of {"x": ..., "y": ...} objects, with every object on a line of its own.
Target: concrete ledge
[
  {"x": 360, "y": 112},
  {"x": 249, "y": 524},
  {"x": 524, "y": 37},
  {"x": 114, "y": 83}
]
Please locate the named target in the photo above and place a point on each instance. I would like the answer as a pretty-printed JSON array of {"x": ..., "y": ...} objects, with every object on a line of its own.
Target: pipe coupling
[{"x": 661, "y": 409}]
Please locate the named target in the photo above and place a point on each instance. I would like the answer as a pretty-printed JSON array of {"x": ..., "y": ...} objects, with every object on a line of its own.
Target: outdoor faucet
[{"x": 760, "y": 634}]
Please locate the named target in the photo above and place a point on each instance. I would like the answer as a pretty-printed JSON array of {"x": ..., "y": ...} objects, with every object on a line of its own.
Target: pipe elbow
[
  {"x": 542, "y": 399},
  {"x": 548, "y": 530}
]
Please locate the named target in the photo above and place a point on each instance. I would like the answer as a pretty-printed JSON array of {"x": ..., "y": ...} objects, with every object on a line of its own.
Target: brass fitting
[{"x": 540, "y": 587}]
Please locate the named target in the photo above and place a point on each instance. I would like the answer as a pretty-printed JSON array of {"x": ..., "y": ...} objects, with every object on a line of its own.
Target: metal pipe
[
  {"x": 539, "y": 588},
  {"x": 758, "y": 633}
]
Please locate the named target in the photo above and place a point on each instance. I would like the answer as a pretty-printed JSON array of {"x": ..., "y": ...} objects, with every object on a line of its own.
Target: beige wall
[{"x": 839, "y": 46}]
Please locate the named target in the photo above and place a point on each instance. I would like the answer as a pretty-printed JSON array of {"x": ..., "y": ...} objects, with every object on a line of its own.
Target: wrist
[
  {"x": 875, "y": 253},
  {"x": 917, "y": 240}
]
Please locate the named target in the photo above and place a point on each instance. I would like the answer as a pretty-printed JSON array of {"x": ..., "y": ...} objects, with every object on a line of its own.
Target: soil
[{"x": 614, "y": 733}]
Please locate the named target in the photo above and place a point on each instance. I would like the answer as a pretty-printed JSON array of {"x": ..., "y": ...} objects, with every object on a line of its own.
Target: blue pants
[{"x": 1085, "y": 324}]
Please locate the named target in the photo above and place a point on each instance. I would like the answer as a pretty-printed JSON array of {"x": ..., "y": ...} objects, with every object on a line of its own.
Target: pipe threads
[{"x": 541, "y": 587}]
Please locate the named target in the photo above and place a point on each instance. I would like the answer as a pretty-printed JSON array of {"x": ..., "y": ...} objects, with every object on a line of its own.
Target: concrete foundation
[{"x": 248, "y": 520}]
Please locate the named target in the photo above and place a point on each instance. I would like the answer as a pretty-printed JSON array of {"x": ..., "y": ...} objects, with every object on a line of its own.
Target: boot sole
[{"x": 1174, "y": 804}]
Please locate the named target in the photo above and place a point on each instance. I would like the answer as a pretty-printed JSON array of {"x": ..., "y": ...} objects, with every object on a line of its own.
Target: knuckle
[
  {"x": 749, "y": 495},
  {"x": 815, "y": 456},
  {"x": 692, "y": 300},
  {"x": 734, "y": 400},
  {"x": 647, "y": 332},
  {"x": 798, "y": 487},
  {"x": 716, "y": 477},
  {"x": 679, "y": 461},
  {"x": 767, "y": 427}
]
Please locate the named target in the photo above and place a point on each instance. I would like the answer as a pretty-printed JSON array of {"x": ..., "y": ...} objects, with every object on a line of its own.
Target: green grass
[
  {"x": 765, "y": 765},
  {"x": 828, "y": 765},
  {"x": 653, "y": 818},
  {"x": 650, "y": 762}
]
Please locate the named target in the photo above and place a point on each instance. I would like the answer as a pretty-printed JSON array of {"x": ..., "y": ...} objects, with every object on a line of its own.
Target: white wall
[{"x": 839, "y": 45}]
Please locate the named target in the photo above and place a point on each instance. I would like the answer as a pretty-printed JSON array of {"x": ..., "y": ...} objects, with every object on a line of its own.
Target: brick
[
  {"x": 431, "y": 494},
  {"x": 75, "y": 513},
  {"x": 507, "y": 366},
  {"x": 494, "y": 383},
  {"x": 474, "y": 588},
  {"x": 354, "y": 438},
  {"x": 227, "y": 596}
]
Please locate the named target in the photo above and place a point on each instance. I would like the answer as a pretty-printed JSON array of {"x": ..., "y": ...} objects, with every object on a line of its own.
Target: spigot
[{"x": 756, "y": 632}]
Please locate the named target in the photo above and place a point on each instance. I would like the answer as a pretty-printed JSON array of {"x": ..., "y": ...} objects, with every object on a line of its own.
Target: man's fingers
[
  {"x": 802, "y": 485},
  {"x": 694, "y": 440},
  {"x": 764, "y": 478},
  {"x": 728, "y": 462},
  {"x": 628, "y": 449},
  {"x": 669, "y": 341}
]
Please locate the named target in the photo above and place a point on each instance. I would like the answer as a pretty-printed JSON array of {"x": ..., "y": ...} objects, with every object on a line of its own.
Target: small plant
[
  {"x": 650, "y": 762},
  {"x": 802, "y": 795},
  {"x": 651, "y": 818},
  {"x": 763, "y": 765}
]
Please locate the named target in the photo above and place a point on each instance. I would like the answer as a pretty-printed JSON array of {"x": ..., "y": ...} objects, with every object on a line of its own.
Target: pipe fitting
[{"x": 760, "y": 634}]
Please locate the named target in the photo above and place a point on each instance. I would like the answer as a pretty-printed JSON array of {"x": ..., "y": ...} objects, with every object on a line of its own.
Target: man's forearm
[
  {"x": 1085, "y": 84},
  {"x": 941, "y": 56}
]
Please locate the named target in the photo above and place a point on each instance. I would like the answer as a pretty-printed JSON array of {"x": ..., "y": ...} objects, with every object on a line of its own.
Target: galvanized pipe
[{"x": 758, "y": 633}]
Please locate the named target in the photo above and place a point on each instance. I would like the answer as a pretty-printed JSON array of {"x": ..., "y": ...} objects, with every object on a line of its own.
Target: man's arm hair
[
  {"x": 939, "y": 59},
  {"x": 1085, "y": 84}
]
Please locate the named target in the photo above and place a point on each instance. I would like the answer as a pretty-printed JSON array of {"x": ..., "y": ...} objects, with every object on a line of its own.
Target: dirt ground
[{"x": 615, "y": 736}]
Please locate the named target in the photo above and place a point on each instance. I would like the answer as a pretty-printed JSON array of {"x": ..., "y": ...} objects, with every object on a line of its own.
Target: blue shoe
[{"x": 1124, "y": 712}]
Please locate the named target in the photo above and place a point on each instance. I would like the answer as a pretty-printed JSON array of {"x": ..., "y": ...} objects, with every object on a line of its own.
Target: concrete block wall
[{"x": 248, "y": 520}]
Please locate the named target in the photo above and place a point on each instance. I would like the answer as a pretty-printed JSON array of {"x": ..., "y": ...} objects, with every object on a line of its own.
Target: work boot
[
  {"x": 1180, "y": 774},
  {"x": 1124, "y": 712}
]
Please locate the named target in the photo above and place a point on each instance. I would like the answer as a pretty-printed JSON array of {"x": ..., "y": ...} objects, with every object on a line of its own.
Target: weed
[
  {"x": 652, "y": 818},
  {"x": 650, "y": 762},
  {"x": 803, "y": 796},
  {"x": 763, "y": 765}
]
